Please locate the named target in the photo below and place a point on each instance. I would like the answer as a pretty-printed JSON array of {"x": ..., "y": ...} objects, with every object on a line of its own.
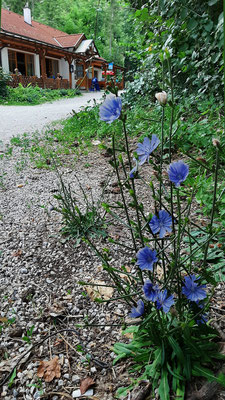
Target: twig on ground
[
  {"x": 57, "y": 393},
  {"x": 208, "y": 390},
  {"x": 143, "y": 393}
]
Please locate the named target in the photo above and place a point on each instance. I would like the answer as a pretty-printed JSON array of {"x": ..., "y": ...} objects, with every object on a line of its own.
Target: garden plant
[{"x": 169, "y": 294}]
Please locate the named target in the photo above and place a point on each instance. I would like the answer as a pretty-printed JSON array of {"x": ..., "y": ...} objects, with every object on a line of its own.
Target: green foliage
[
  {"x": 31, "y": 95},
  {"x": 4, "y": 79},
  {"x": 170, "y": 360},
  {"x": 191, "y": 32}
]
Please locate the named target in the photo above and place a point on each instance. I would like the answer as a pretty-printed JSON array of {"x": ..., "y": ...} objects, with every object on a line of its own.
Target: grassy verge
[
  {"x": 196, "y": 125},
  {"x": 34, "y": 95}
]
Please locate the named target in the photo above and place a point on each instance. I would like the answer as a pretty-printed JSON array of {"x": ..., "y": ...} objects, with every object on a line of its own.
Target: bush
[
  {"x": 34, "y": 95},
  {"x": 4, "y": 79}
]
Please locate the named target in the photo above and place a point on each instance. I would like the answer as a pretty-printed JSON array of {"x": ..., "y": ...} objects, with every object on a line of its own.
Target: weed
[{"x": 27, "y": 337}]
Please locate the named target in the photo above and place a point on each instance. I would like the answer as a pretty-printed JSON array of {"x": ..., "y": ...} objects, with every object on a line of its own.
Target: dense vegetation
[{"x": 32, "y": 95}]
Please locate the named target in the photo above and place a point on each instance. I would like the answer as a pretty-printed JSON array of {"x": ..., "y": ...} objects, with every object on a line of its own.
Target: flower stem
[{"x": 213, "y": 207}]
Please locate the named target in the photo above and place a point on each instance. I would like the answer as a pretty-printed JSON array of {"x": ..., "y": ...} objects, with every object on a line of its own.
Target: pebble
[
  {"x": 23, "y": 270},
  {"x": 77, "y": 393},
  {"x": 75, "y": 379},
  {"x": 37, "y": 395}
]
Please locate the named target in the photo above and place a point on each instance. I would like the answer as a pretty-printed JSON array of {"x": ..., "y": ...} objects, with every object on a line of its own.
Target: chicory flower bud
[{"x": 161, "y": 97}]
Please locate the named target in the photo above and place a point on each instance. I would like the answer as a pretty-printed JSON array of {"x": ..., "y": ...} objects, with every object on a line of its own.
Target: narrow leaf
[{"x": 164, "y": 386}]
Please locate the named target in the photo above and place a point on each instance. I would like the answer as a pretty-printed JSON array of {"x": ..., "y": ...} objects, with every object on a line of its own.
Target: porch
[{"x": 42, "y": 82}]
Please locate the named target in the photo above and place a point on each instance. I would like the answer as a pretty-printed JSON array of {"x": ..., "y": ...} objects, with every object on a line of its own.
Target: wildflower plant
[{"x": 164, "y": 287}]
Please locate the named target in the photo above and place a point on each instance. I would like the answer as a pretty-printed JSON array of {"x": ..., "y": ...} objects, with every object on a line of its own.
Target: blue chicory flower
[
  {"x": 164, "y": 302},
  {"x": 110, "y": 110},
  {"x": 161, "y": 224},
  {"x": 146, "y": 148},
  {"x": 137, "y": 311},
  {"x": 192, "y": 290},
  {"x": 146, "y": 258},
  {"x": 178, "y": 172},
  {"x": 150, "y": 291}
]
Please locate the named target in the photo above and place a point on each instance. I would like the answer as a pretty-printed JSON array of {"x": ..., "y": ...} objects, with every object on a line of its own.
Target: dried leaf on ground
[
  {"x": 17, "y": 253},
  {"x": 104, "y": 292},
  {"x": 49, "y": 369},
  {"x": 86, "y": 384},
  {"x": 3, "y": 319},
  {"x": 56, "y": 310}
]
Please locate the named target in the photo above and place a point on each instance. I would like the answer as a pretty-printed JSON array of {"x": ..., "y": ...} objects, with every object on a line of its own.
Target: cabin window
[
  {"x": 52, "y": 68},
  {"x": 80, "y": 71},
  {"x": 23, "y": 62}
]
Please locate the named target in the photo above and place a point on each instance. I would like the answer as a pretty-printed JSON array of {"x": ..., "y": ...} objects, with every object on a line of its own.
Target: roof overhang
[{"x": 25, "y": 40}]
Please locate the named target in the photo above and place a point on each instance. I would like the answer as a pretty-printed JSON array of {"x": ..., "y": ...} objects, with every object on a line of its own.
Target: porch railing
[{"x": 44, "y": 83}]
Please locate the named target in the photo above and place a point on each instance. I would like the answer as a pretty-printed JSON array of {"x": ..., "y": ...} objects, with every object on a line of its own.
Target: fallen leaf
[
  {"x": 17, "y": 253},
  {"x": 3, "y": 319},
  {"x": 56, "y": 310},
  {"x": 49, "y": 369},
  {"x": 104, "y": 292},
  {"x": 85, "y": 384}
]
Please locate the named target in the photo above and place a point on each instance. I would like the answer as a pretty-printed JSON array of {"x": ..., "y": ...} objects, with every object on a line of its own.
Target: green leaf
[
  {"x": 175, "y": 346},
  {"x": 173, "y": 373},
  {"x": 212, "y": 2},
  {"x": 11, "y": 380},
  {"x": 164, "y": 386},
  {"x": 192, "y": 24},
  {"x": 200, "y": 371}
]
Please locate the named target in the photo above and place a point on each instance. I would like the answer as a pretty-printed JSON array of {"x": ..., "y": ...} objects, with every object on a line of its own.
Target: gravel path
[
  {"x": 16, "y": 120},
  {"x": 40, "y": 273}
]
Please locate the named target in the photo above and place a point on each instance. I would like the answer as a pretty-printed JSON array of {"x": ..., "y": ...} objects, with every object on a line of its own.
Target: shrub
[{"x": 4, "y": 79}]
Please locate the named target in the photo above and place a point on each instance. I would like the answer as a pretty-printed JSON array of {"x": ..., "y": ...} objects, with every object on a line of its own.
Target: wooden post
[{"x": 43, "y": 63}]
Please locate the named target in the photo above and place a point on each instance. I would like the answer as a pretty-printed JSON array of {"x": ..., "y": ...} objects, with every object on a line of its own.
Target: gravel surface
[
  {"x": 16, "y": 120},
  {"x": 39, "y": 285}
]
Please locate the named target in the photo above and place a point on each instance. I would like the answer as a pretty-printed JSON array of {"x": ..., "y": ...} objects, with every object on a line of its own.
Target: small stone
[
  {"x": 37, "y": 395},
  {"x": 60, "y": 382},
  {"x": 15, "y": 393},
  {"x": 77, "y": 393},
  {"x": 75, "y": 379},
  {"x": 93, "y": 370},
  {"x": 66, "y": 376},
  {"x": 23, "y": 271}
]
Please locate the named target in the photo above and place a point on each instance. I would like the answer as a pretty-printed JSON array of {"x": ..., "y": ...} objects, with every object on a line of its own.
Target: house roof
[
  {"x": 14, "y": 23},
  {"x": 84, "y": 46}
]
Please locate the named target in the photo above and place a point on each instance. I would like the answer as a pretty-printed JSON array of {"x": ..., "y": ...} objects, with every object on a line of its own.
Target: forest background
[{"x": 133, "y": 33}]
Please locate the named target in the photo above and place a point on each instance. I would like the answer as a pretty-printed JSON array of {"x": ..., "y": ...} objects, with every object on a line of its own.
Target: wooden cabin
[{"x": 41, "y": 55}]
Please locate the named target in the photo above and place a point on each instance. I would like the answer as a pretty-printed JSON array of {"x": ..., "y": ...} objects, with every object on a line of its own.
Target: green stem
[
  {"x": 133, "y": 184},
  {"x": 213, "y": 207},
  {"x": 122, "y": 194}
]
